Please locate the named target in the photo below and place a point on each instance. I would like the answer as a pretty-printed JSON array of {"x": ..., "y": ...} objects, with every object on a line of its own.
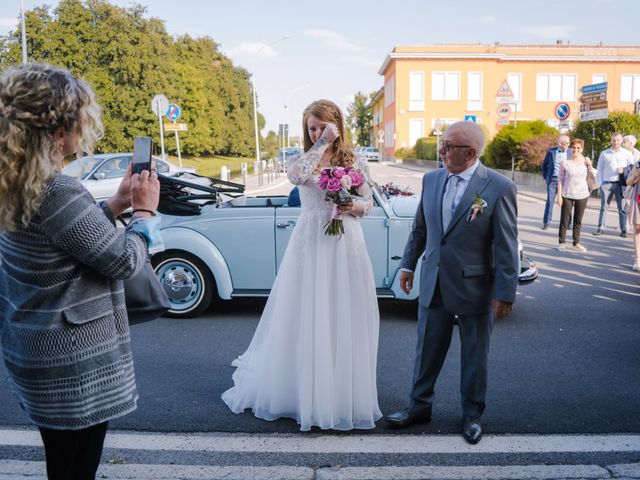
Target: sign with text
[
  {"x": 175, "y": 127},
  {"x": 593, "y": 102},
  {"x": 594, "y": 87},
  {"x": 505, "y": 94}
]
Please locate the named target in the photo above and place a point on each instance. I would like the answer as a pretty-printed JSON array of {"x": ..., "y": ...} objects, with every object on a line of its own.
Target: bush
[
  {"x": 402, "y": 153},
  {"x": 509, "y": 140},
  {"x": 533, "y": 151},
  {"x": 425, "y": 148},
  {"x": 597, "y": 133}
]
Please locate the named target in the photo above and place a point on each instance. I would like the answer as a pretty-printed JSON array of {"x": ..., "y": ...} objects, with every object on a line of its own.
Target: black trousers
[
  {"x": 578, "y": 207},
  {"x": 73, "y": 454}
]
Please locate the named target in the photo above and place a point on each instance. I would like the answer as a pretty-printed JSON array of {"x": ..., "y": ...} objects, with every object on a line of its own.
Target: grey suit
[{"x": 463, "y": 269}]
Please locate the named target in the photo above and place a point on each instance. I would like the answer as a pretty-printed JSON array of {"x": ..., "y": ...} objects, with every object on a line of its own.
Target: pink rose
[
  {"x": 357, "y": 178},
  {"x": 322, "y": 182},
  {"x": 333, "y": 185},
  {"x": 338, "y": 172}
]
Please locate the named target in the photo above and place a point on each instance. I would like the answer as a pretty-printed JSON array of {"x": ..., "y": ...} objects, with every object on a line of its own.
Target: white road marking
[{"x": 329, "y": 443}]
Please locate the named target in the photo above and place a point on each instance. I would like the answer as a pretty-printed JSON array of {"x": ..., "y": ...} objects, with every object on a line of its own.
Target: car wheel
[{"x": 187, "y": 281}]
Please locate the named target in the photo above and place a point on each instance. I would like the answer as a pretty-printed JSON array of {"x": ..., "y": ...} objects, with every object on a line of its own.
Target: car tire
[{"x": 187, "y": 280}]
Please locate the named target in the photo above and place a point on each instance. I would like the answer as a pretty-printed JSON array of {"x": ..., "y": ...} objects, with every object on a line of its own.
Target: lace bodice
[{"x": 301, "y": 171}]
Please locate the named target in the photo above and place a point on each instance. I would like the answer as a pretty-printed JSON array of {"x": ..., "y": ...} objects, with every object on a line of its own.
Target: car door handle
[
  {"x": 396, "y": 257},
  {"x": 289, "y": 224}
]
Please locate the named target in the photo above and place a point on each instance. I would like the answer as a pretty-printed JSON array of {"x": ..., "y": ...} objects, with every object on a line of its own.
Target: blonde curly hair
[
  {"x": 36, "y": 100},
  {"x": 327, "y": 111}
]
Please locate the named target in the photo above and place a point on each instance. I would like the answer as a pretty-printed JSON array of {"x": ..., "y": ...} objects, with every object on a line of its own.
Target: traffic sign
[
  {"x": 470, "y": 118},
  {"x": 587, "y": 107},
  {"x": 173, "y": 112},
  {"x": 175, "y": 127},
  {"x": 381, "y": 133},
  {"x": 562, "y": 111},
  {"x": 437, "y": 126},
  {"x": 594, "y": 115},
  {"x": 159, "y": 104},
  {"x": 504, "y": 93},
  {"x": 594, "y": 87},
  {"x": 593, "y": 97},
  {"x": 503, "y": 121},
  {"x": 503, "y": 110}
]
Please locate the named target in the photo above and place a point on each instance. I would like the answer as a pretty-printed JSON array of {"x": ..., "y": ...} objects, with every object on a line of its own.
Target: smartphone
[{"x": 142, "y": 154}]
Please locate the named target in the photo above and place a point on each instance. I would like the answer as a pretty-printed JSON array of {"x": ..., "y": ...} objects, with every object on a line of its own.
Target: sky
[{"x": 336, "y": 48}]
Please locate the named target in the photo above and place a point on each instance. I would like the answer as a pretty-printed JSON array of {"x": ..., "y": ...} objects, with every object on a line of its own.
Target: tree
[
  {"x": 360, "y": 118},
  {"x": 128, "y": 59},
  {"x": 597, "y": 133}
]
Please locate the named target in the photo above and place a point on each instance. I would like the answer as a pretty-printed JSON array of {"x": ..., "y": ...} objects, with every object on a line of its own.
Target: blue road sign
[
  {"x": 562, "y": 111},
  {"x": 469, "y": 118},
  {"x": 594, "y": 87},
  {"x": 173, "y": 112}
]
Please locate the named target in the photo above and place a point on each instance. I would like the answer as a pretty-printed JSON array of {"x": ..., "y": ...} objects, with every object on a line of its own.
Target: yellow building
[{"x": 424, "y": 84}]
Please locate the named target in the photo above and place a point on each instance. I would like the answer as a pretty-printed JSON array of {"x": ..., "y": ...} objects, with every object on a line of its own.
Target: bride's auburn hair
[
  {"x": 327, "y": 111},
  {"x": 35, "y": 100}
]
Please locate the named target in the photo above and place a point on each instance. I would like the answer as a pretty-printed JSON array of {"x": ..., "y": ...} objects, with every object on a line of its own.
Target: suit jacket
[
  {"x": 548, "y": 164},
  {"x": 474, "y": 261}
]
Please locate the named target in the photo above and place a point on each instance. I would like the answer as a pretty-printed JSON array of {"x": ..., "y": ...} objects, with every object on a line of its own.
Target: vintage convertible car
[{"x": 230, "y": 247}]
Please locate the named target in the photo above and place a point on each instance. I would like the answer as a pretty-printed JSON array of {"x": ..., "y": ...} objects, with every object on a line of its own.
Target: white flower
[{"x": 346, "y": 183}]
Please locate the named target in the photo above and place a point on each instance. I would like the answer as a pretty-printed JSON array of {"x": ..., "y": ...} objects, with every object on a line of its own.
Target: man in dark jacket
[{"x": 550, "y": 169}]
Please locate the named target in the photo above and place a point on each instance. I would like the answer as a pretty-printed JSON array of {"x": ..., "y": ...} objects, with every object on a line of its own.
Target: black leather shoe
[
  {"x": 598, "y": 232},
  {"x": 623, "y": 234},
  {"x": 545, "y": 226},
  {"x": 406, "y": 417},
  {"x": 472, "y": 430}
]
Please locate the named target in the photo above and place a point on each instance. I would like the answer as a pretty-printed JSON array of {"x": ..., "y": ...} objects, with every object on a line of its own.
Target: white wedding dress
[{"x": 313, "y": 355}]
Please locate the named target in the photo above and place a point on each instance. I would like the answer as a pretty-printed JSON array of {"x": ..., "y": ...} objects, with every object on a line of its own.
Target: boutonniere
[{"x": 477, "y": 207}]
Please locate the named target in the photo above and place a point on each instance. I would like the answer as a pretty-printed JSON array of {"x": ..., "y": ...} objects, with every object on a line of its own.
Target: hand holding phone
[{"x": 142, "y": 154}]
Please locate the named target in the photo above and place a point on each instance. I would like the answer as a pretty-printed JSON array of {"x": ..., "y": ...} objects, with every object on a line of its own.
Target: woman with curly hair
[
  {"x": 313, "y": 356},
  {"x": 63, "y": 321}
]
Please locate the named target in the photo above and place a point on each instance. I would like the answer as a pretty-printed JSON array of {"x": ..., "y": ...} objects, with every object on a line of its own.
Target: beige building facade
[{"x": 426, "y": 85}]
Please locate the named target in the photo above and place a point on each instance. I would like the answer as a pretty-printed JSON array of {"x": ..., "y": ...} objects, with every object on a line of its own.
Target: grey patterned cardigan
[{"x": 63, "y": 321}]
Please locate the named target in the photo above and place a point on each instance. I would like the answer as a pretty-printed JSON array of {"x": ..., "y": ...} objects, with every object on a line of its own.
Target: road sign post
[
  {"x": 437, "y": 127},
  {"x": 173, "y": 114},
  {"x": 159, "y": 105}
]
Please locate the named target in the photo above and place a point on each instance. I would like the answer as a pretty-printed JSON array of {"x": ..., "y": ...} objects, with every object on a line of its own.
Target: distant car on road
[
  {"x": 372, "y": 154},
  {"x": 101, "y": 174}
]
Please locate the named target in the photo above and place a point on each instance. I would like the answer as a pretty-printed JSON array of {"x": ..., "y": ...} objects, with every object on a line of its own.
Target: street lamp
[
  {"x": 253, "y": 85},
  {"x": 288, "y": 110},
  {"x": 24, "y": 34}
]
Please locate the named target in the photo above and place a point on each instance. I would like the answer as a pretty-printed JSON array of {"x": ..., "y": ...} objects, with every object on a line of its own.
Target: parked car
[
  {"x": 102, "y": 173},
  {"x": 234, "y": 249},
  {"x": 284, "y": 155},
  {"x": 372, "y": 154}
]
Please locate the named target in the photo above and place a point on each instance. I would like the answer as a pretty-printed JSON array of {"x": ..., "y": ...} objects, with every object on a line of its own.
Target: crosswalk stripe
[{"x": 328, "y": 443}]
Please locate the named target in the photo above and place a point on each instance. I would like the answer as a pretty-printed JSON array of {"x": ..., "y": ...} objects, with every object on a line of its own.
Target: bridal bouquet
[{"x": 340, "y": 185}]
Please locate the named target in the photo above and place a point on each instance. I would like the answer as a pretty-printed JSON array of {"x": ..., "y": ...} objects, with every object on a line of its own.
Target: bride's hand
[{"x": 345, "y": 207}]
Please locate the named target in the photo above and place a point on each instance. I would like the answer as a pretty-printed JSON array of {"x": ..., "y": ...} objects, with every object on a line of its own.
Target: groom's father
[{"x": 466, "y": 227}]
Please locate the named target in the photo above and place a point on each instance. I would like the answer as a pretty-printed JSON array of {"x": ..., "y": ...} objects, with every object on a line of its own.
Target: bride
[{"x": 313, "y": 355}]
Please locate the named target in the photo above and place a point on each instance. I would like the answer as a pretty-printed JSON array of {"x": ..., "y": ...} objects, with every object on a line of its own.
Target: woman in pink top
[{"x": 573, "y": 193}]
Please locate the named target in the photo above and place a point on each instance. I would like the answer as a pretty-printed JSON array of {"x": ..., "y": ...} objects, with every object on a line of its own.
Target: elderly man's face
[
  {"x": 616, "y": 142},
  {"x": 563, "y": 142},
  {"x": 457, "y": 150}
]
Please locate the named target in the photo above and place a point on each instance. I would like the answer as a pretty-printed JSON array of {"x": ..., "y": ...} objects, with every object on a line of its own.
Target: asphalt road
[{"x": 566, "y": 361}]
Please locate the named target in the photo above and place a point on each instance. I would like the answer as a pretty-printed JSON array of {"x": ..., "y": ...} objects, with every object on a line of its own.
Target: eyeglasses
[{"x": 448, "y": 146}]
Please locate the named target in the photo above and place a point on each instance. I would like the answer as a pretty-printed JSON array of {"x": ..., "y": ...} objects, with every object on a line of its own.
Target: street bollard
[
  {"x": 224, "y": 173},
  {"x": 244, "y": 173}
]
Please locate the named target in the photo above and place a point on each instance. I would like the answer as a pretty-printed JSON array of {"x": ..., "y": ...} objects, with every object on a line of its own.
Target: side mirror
[{"x": 99, "y": 176}]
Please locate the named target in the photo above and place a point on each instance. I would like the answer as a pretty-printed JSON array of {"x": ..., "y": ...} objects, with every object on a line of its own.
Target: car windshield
[{"x": 81, "y": 168}]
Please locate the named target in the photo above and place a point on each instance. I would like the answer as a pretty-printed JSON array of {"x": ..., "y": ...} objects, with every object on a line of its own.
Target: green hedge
[{"x": 509, "y": 141}]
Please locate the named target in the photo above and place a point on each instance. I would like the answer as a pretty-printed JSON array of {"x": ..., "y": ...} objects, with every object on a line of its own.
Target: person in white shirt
[{"x": 611, "y": 163}]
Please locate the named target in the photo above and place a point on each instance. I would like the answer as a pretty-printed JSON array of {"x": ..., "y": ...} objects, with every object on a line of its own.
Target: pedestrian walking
[{"x": 550, "y": 172}]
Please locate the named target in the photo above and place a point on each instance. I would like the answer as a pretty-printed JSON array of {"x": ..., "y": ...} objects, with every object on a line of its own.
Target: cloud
[
  {"x": 362, "y": 60},
  {"x": 248, "y": 51},
  {"x": 332, "y": 39},
  {"x": 552, "y": 32}
]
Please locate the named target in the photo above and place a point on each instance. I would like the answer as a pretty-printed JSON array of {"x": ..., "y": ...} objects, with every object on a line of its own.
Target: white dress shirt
[{"x": 609, "y": 162}]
